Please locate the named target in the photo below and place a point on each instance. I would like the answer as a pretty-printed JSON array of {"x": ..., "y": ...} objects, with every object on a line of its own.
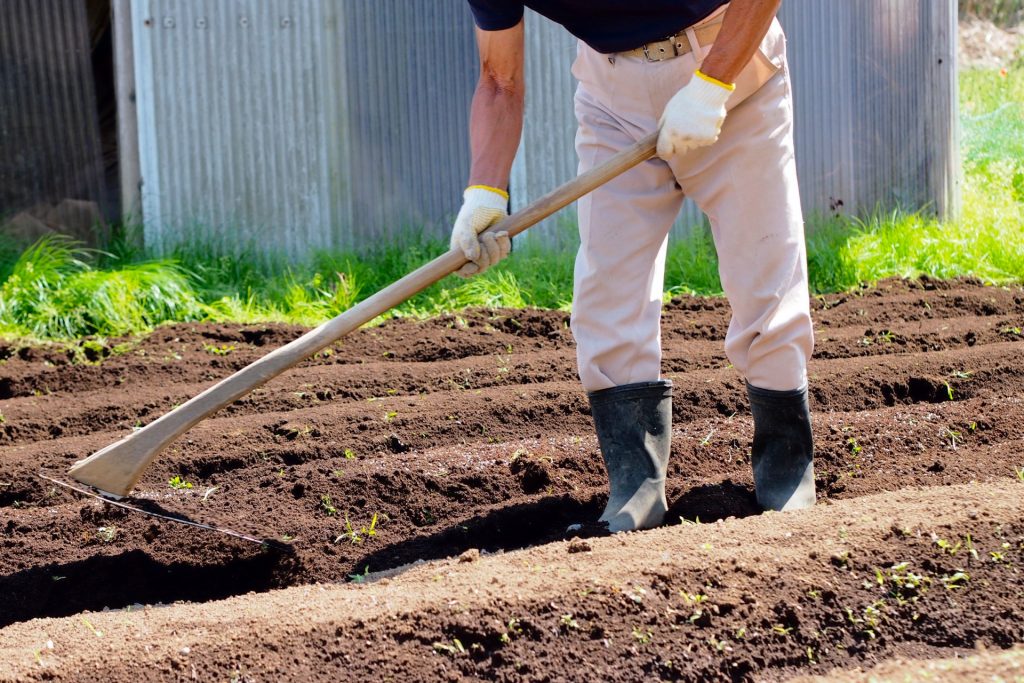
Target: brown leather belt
[{"x": 677, "y": 45}]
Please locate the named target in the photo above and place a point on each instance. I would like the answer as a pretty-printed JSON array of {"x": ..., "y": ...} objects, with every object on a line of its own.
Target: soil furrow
[
  {"x": 421, "y": 440},
  {"x": 841, "y": 383},
  {"x": 443, "y": 501},
  {"x": 901, "y": 314},
  {"x": 850, "y": 583}
]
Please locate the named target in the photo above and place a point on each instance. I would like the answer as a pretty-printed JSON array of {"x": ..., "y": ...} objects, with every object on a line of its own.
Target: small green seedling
[
  {"x": 955, "y": 581},
  {"x": 355, "y": 536},
  {"x": 328, "y": 505},
  {"x": 95, "y": 631},
  {"x": 948, "y": 547},
  {"x": 390, "y": 415},
  {"x": 870, "y": 620},
  {"x": 456, "y": 648},
  {"x": 969, "y": 546},
  {"x": 222, "y": 350},
  {"x": 718, "y": 645},
  {"x": 1019, "y": 471},
  {"x": 513, "y": 629},
  {"x": 360, "y": 578},
  {"x": 106, "y": 533},
  {"x": 568, "y": 622},
  {"x": 642, "y": 636},
  {"x": 350, "y": 454},
  {"x": 176, "y": 482}
]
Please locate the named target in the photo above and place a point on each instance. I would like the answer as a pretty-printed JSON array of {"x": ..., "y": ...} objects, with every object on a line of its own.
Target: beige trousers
[{"x": 746, "y": 183}]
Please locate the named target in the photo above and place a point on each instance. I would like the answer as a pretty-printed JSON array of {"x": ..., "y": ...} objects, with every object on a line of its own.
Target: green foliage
[
  {"x": 53, "y": 292},
  {"x": 328, "y": 505},
  {"x": 1002, "y": 12},
  {"x": 691, "y": 266},
  {"x": 176, "y": 482},
  {"x": 9, "y": 253}
]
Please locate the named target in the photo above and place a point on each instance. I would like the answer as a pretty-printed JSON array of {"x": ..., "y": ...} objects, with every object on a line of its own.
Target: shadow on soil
[
  {"x": 712, "y": 502},
  {"x": 133, "y": 577},
  {"x": 545, "y": 521},
  {"x": 118, "y": 581}
]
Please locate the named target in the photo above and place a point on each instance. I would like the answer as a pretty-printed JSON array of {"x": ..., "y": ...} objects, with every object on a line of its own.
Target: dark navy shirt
[{"x": 605, "y": 25}]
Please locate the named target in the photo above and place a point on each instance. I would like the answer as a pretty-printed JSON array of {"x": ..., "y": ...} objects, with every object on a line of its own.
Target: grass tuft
[{"x": 54, "y": 293}]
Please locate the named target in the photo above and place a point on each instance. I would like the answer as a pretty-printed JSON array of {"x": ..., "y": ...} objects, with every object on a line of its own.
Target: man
[{"x": 712, "y": 78}]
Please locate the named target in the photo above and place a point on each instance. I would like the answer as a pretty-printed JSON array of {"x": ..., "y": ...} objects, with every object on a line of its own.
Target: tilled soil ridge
[
  {"x": 985, "y": 667},
  {"x": 771, "y": 595}
]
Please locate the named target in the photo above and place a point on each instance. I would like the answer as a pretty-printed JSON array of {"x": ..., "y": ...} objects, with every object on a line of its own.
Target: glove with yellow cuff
[
  {"x": 694, "y": 116},
  {"x": 482, "y": 207}
]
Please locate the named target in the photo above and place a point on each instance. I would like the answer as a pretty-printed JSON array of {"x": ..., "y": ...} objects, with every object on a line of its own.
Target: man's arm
[
  {"x": 495, "y": 126},
  {"x": 745, "y": 25},
  {"x": 496, "y": 116},
  {"x": 694, "y": 116}
]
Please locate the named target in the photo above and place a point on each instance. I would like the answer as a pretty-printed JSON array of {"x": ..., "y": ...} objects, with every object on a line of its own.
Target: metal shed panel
[
  {"x": 298, "y": 124},
  {"x": 301, "y": 124},
  {"x": 410, "y": 68},
  {"x": 49, "y": 129},
  {"x": 876, "y": 103}
]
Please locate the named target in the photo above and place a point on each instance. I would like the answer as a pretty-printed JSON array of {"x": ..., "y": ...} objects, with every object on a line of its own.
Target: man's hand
[
  {"x": 694, "y": 116},
  {"x": 482, "y": 207}
]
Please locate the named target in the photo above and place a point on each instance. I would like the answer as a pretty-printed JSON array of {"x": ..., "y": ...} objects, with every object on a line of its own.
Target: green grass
[
  {"x": 56, "y": 291},
  {"x": 1002, "y": 12}
]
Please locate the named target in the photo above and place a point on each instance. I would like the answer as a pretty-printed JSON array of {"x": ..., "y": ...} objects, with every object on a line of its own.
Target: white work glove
[
  {"x": 693, "y": 117},
  {"x": 482, "y": 207}
]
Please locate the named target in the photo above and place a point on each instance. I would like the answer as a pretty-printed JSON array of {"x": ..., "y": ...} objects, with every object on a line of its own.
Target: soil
[
  {"x": 469, "y": 436},
  {"x": 982, "y": 667}
]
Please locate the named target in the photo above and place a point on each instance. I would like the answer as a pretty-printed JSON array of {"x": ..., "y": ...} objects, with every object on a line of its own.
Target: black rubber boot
[
  {"x": 783, "y": 454},
  {"x": 634, "y": 430}
]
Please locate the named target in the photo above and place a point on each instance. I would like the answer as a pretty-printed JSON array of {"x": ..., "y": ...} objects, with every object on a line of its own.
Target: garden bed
[{"x": 426, "y": 440}]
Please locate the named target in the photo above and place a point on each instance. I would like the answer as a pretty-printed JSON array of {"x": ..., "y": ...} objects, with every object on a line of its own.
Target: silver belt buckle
[{"x": 664, "y": 53}]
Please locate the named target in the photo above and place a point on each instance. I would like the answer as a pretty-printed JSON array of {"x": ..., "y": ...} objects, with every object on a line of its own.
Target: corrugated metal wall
[
  {"x": 300, "y": 124},
  {"x": 49, "y": 130},
  {"x": 875, "y": 83},
  {"x": 295, "y": 124}
]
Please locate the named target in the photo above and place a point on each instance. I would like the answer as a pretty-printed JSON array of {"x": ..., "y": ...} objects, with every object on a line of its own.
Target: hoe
[{"x": 114, "y": 470}]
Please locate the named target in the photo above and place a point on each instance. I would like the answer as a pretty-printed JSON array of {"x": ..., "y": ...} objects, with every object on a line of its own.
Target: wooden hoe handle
[{"x": 116, "y": 468}]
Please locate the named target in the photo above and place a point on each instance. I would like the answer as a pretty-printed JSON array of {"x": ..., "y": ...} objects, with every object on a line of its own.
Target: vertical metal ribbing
[
  {"x": 350, "y": 126},
  {"x": 49, "y": 132}
]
